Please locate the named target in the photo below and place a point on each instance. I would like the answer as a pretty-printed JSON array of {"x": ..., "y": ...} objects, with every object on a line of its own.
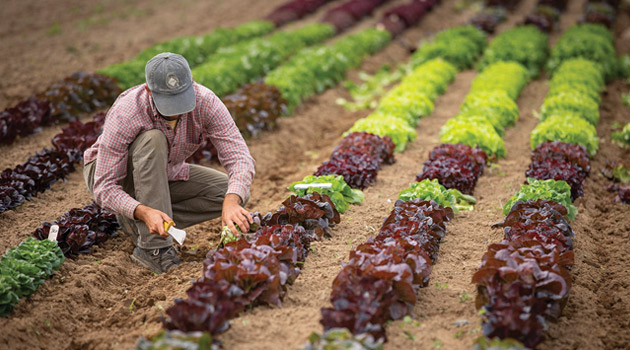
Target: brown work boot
[
  {"x": 157, "y": 260},
  {"x": 129, "y": 227}
]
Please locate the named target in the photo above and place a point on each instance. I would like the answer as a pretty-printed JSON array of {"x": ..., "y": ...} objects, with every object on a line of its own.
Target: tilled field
[{"x": 102, "y": 300}]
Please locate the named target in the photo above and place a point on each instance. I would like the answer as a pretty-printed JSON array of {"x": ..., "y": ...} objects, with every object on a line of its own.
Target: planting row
[
  {"x": 293, "y": 10},
  {"x": 524, "y": 281},
  {"x": 44, "y": 169},
  {"x": 63, "y": 101},
  {"x": 24, "y": 268},
  {"x": 196, "y": 50}
]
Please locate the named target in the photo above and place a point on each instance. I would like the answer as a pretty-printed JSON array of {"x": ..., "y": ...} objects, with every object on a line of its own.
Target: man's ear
[{"x": 147, "y": 88}]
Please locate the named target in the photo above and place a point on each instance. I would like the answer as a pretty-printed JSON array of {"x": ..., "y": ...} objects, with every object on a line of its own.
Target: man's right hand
[{"x": 153, "y": 218}]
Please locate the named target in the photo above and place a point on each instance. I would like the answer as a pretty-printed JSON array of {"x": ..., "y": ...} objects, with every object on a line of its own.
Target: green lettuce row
[
  {"x": 460, "y": 46},
  {"x": 398, "y": 129},
  {"x": 526, "y": 45},
  {"x": 473, "y": 130},
  {"x": 570, "y": 111},
  {"x": 575, "y": 89},
  {"x": 567, "y": 127},
  {"x": 571, "y": 101},
  {"x": 399, "y": 111},
  {"x": 313, "y": 70},
  {"x": 340, "y": 193},
  {"x": 590, "y": 41},
  {"x": 234, "y": 66},
  {"x": 196, "y": 50},
  {"x": 497, "y": 106},
  {"x": 489, "y": 108},
  {"x": 510, "y": 77},
  {"x": 24, "y": 268},
  {"x": 414, "y": 97},
  {"x": 432, "y": 190},
  {"x": 558, "y": 191}
]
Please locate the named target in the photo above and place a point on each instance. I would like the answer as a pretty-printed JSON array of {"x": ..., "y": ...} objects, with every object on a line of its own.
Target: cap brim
[{"x": 170, "y": 105}]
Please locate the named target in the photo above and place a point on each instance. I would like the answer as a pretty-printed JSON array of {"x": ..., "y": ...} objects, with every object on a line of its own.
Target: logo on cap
[{"x": 172, "y": 81}]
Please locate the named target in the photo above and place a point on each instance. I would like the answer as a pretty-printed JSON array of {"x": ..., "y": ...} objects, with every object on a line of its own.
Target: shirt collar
[{"x": 152, "y": 109}]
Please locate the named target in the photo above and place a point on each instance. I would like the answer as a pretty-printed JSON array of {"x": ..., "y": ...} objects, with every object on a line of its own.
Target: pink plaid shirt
[{"x": 134, "y": 112}]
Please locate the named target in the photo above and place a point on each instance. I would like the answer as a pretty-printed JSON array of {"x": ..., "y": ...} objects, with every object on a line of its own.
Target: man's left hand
[{"x": 233, "y": 213}]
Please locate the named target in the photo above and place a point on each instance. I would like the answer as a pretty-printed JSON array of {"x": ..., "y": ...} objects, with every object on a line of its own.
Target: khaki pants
[{"x": 188, "y": 202}]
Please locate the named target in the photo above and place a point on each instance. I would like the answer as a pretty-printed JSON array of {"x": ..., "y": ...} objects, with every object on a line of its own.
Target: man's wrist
[{"x": 233, "y": 198}]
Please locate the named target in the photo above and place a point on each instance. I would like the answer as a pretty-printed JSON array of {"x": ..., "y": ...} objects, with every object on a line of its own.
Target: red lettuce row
[
  {"x": 561, "y": 161},
  {"x": 293, "y": 10},
  {"x": 23, "y": 119},
  {"x": 254, "y": 271},
  {"x": 380, "y": 281},
  {"x": 349, "y": 13},
  {"x": 525, "y": 280},
  {"x": 401, "y": 17},
  {"x": 601, "y": 12},
  {"x": 455, "y": 166},
  {"x": 50, "y": 165},
  {"x": 546, "y": 14},
  {"x": 65, "y": 100},
  {"x": 254, "y": 107},
  {"x": 358, "y": 158},
  {"x": 80, "y": 229}
]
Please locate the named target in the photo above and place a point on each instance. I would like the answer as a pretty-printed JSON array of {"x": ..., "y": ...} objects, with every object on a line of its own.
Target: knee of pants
[{"x": 150, "y": 142}]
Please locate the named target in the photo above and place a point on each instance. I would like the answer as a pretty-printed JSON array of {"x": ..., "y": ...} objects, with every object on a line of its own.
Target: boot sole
[{"x": 144, "y": 264}]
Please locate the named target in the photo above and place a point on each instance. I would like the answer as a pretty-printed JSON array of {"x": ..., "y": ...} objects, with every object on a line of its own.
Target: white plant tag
[
  {"x": 178, "y": 235},
  {"x": 52, "y": 234},
  {"x": 316, "y": 185}
]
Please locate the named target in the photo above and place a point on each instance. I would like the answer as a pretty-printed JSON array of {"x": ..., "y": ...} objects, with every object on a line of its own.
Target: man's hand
[
  {"x": 233, "y": 213},
  {"x": 153, "y": 218}
]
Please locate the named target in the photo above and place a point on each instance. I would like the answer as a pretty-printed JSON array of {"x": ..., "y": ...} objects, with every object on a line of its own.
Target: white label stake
[
  {"x": 315, "y": 185},
  {"x": 52, "y": 234}
]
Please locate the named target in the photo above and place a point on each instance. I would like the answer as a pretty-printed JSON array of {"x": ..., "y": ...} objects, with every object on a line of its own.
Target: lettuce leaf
[
  {"x": 508, "y": 76},
  {"x": 432, "y": 190},
  {"x": 571, "y": 101},
  {"x": 386, "y": 125},
  {"x": 558, "y": 191},
  {"x": 340, "y": 193},
  {"x": 566, "y": 127},
  {"x": 473, "y": 130}
]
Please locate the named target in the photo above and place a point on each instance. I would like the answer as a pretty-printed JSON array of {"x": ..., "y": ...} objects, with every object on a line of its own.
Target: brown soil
[{"x": 104, "y": 301}]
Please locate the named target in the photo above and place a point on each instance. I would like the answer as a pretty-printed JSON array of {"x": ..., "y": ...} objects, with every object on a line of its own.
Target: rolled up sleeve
[{"x": 111, "y": 166}]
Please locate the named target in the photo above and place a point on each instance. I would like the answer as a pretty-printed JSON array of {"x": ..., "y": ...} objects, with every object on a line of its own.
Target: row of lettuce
[
  {"x": 524, "y": 281},
  {"x": 353, "y": 165},
  {"x": 81, "y": 228}
]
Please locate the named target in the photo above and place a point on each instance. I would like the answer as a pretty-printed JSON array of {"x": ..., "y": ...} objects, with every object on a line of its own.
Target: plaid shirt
[{"x": 134, "y": 112}]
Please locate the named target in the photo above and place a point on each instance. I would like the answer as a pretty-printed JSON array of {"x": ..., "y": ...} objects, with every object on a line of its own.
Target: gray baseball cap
[{"x": 170, "y": 81}]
